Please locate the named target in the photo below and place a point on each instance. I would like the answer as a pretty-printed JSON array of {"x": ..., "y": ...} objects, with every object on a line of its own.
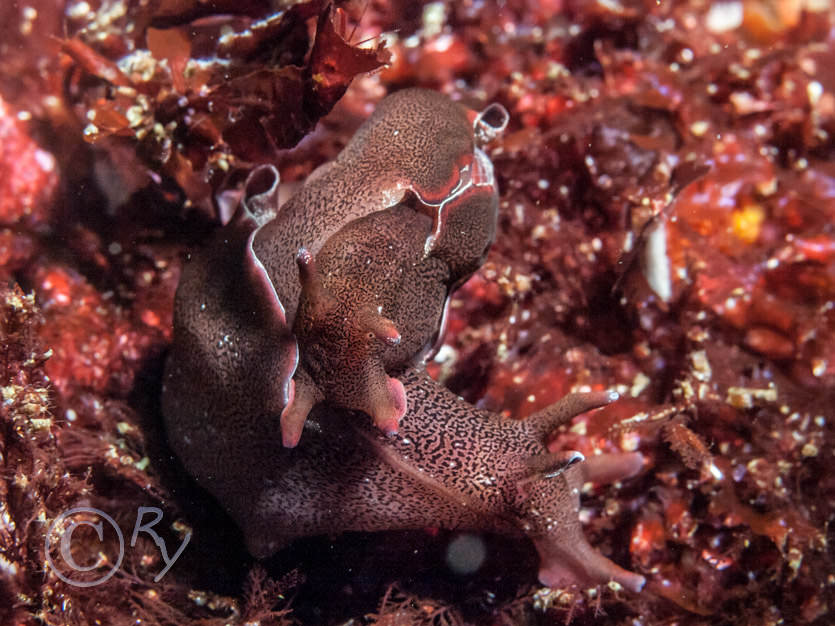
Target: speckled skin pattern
[
  {"x": 416, "y": 141},
  {"x": 325, "y": 308},
  {"x": 375, "y": 261},
  {"x": 416, "y": 156}
]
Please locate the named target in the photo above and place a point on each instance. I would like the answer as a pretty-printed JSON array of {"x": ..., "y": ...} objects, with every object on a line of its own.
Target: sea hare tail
[
  {"x": 576, "y": 562},
  {"x": 607, "y": 468}
]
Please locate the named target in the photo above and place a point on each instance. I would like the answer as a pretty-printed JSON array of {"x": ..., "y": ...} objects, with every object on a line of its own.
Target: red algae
[
  {"x": 703, "y": 296},
  {"x": 28, "y": 181},
  {"x": 29, "y": 176}
]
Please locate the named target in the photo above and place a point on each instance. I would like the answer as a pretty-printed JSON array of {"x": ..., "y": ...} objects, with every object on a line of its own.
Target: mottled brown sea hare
[{"x": 320, "y": 314}]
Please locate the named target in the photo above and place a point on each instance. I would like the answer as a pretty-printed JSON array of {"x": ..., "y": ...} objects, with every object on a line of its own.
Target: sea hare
[
  {"x": 405, "y": 212},
  {"x": 320, "y": 314}
]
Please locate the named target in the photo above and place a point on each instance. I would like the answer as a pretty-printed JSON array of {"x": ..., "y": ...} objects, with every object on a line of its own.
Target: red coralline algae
[
  {"x": 95, "y": 344},
  {"x": 28, "y": 181},
  {"x": 28, "y": 176}
]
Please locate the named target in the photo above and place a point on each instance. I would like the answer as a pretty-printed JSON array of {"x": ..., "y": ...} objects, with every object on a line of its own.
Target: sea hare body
[
  {"x": 417, "y": 154},
  {"x": 325, "y": 308}
]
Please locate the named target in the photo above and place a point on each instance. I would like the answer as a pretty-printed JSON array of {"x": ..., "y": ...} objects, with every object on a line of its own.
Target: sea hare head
[{"x": 371, "y": 300}]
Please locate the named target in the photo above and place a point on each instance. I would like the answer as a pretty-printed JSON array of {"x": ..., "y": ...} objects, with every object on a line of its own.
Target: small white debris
[
  {"x": 814, "y": 90},
  {"x": 744, "y": 397},
  {"x": 657, "y": 262},
  {"x": 714, "y": 471},
  {"x": 724, "y": 16},
  {"x": 809, "y": 450},
  {"x": 639, "y": 383}
]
